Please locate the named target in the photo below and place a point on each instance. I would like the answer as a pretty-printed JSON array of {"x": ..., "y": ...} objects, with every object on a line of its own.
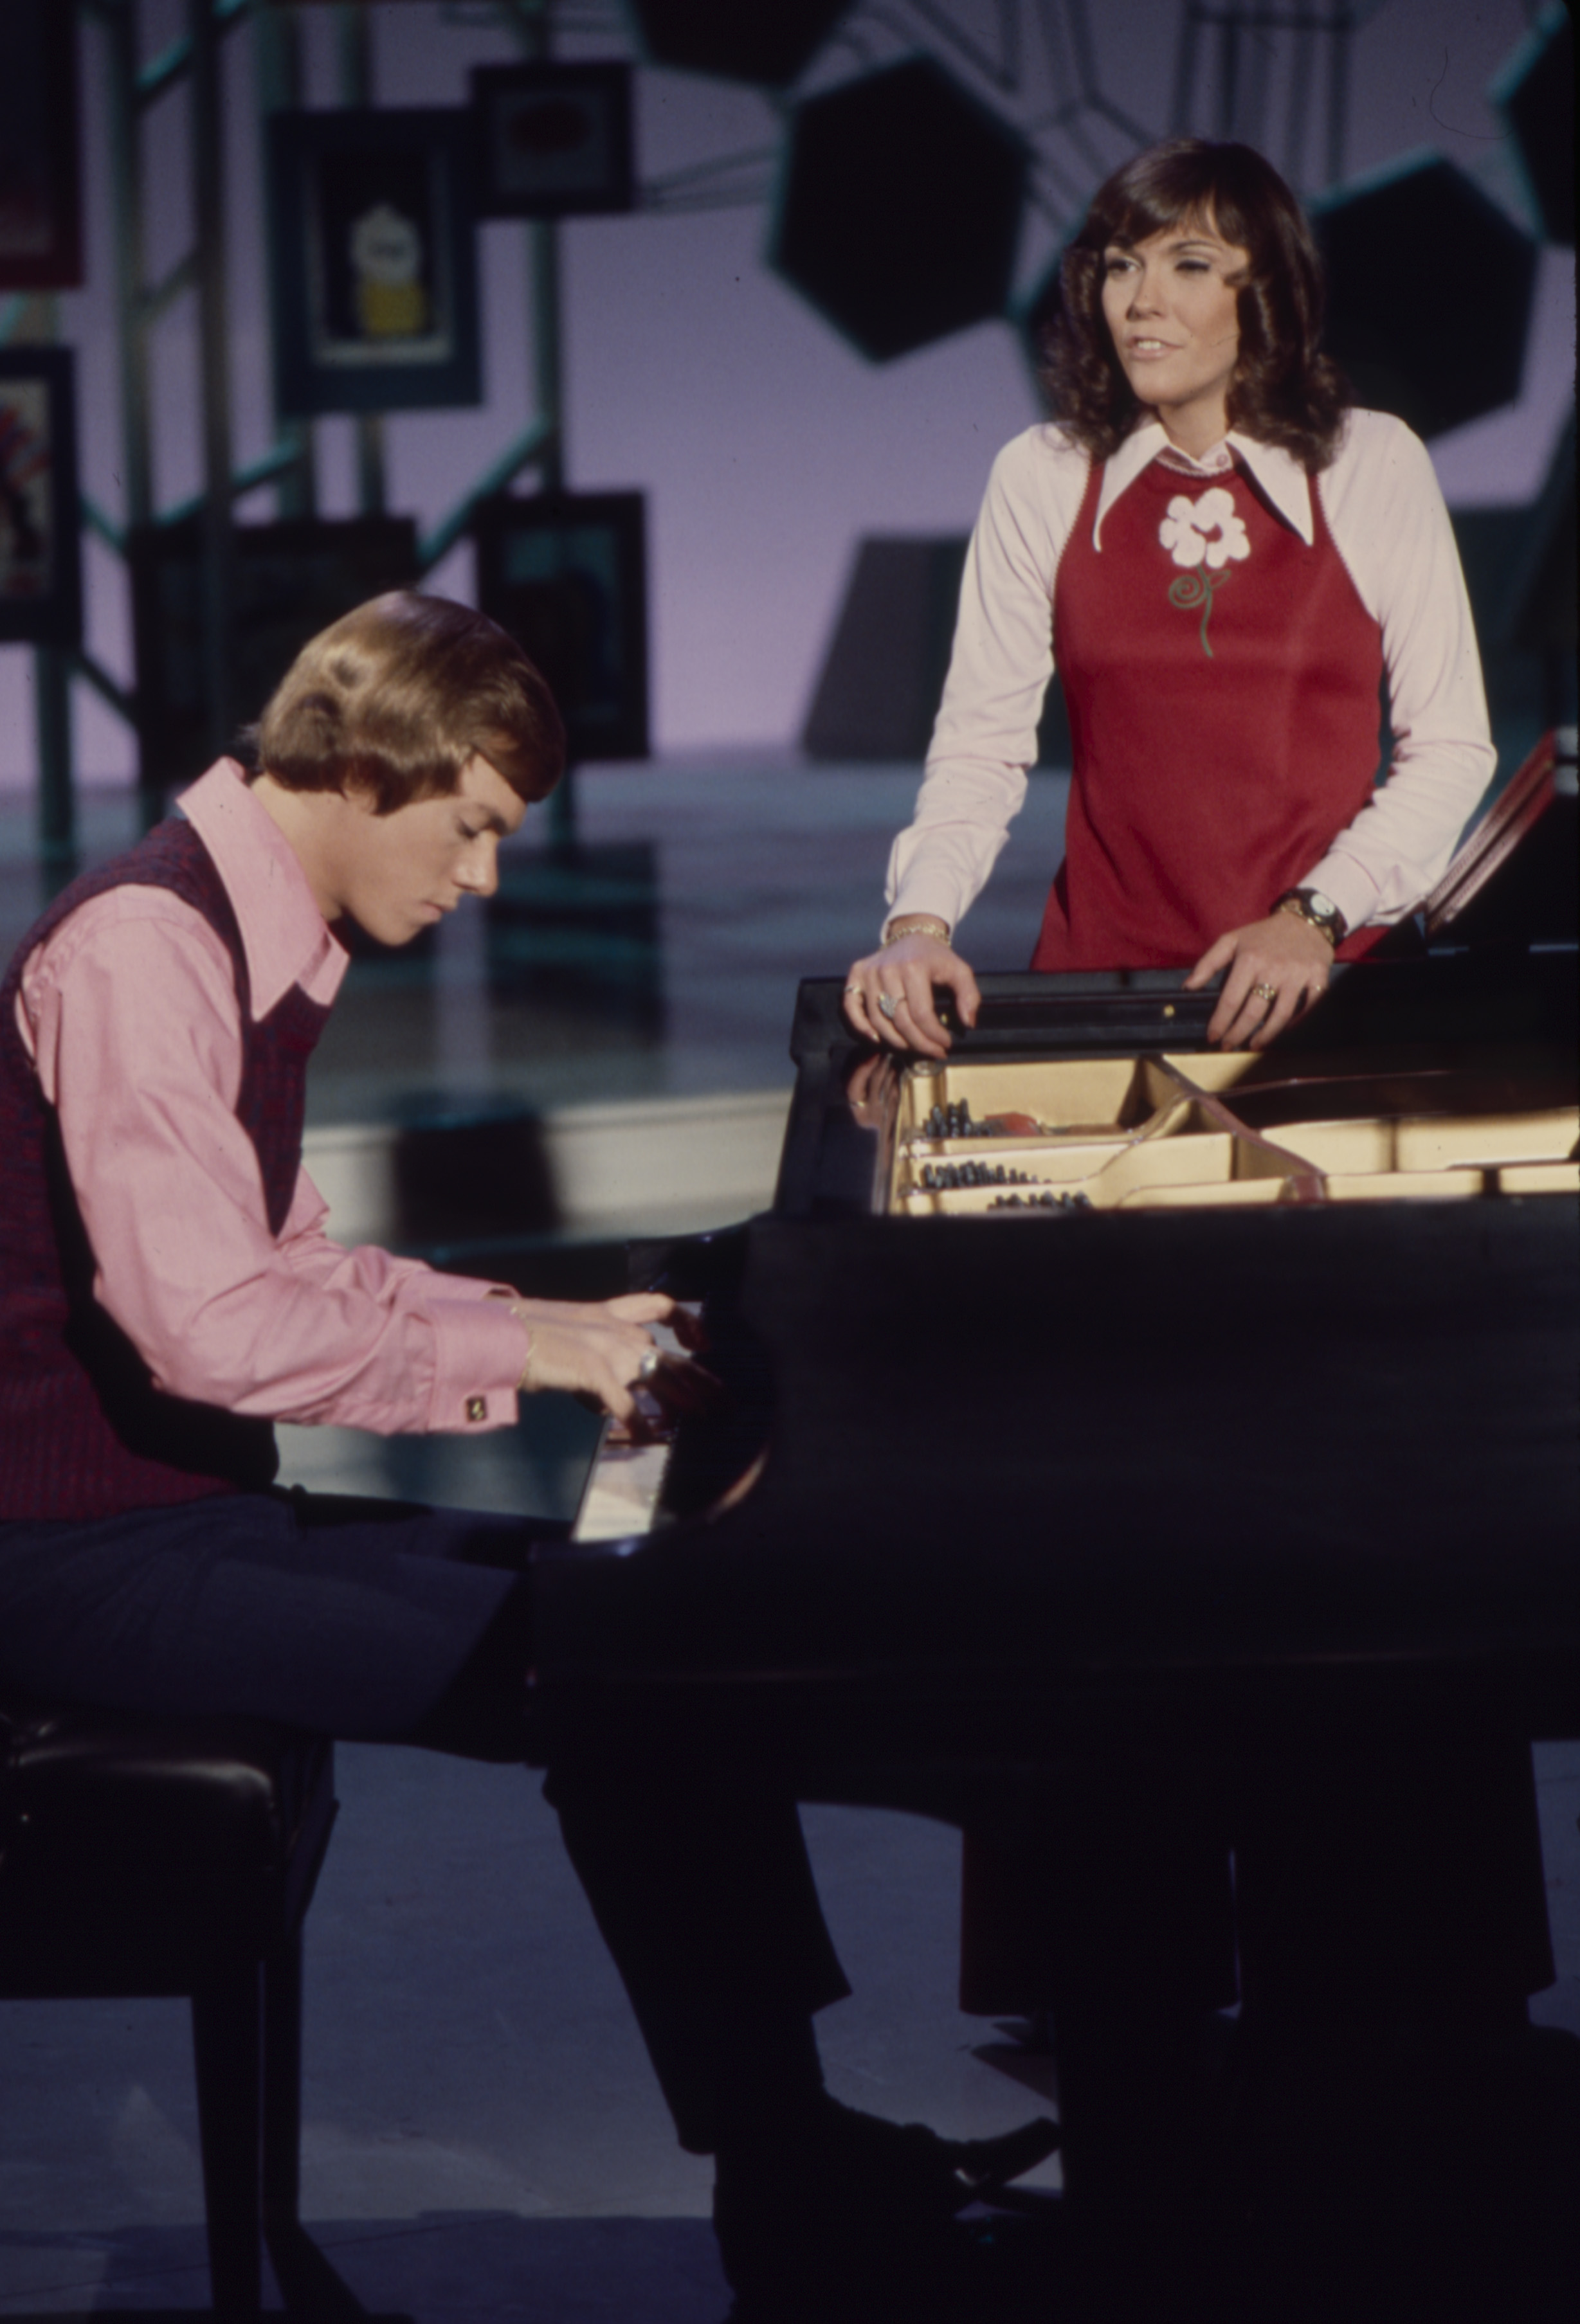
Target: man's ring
[
  {"x": 888, "y": 1004},
  {"x": 1265, "y": 991},
  {"x": 648, "y": 1364}
]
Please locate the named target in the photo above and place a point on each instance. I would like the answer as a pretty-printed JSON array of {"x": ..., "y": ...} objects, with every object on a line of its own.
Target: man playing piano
[{"x": 169, "y": 1291}]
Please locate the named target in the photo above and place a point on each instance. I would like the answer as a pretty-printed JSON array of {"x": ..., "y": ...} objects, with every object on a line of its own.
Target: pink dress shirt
[{"x": 129, "y": 1014}]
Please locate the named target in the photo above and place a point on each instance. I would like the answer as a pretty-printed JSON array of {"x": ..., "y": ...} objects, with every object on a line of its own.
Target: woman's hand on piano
[
  {"x": 603, "y": 1350},
  {"x": 904, "y": 972},
  {"x": 1272, "y": 968}
]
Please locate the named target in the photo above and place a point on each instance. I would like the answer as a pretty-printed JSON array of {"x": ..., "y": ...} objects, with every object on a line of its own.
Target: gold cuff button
[{"x": 477, "y": 1408}]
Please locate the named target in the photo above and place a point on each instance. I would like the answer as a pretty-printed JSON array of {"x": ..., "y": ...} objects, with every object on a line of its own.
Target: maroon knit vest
[{"x": 84, "y": 1433}]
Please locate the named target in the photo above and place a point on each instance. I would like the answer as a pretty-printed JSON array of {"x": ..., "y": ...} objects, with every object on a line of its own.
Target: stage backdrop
[{"x": 765, "y": 447}]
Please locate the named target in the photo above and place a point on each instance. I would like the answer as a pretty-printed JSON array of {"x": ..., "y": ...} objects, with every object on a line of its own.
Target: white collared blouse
[{"x": 1390, "y": 527}]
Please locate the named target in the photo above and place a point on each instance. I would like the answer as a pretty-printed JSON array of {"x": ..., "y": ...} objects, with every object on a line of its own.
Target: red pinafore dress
[{"x": 1222, "y": 682}]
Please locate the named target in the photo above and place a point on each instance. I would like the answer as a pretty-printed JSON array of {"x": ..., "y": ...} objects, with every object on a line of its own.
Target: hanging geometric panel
[
  {"x": 1536, "y": 95},
  {"x": 1429, "y": 292},
  {"x": 770, "y": 41},
  {"x": 900, "y": 209}
]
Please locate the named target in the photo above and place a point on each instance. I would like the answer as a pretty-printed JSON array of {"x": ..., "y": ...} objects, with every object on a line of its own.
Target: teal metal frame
[{"x": 193, "y": 59}]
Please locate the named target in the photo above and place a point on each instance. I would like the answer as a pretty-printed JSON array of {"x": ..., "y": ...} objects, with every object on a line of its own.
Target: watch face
[{"x": 1319, "y": 904}]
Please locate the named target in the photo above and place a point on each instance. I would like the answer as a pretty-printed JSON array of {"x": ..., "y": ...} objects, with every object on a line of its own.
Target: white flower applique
[{"x": 1205, "y": 532}]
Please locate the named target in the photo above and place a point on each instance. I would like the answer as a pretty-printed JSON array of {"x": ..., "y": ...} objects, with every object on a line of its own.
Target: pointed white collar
[
  {"x": 284, "y": 933},
  {"x": 1281, "y": 477}
]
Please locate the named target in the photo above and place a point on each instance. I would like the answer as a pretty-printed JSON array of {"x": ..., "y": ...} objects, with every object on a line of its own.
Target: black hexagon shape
[
  {"x": 770, "y": 41},
  {"x": 1536, "y": 95},
  {"x": 899, "y": 209},
  {"x": 1429, "y": 292}
]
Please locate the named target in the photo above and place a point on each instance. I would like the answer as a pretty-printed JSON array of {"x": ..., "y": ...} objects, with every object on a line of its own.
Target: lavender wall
[{"x": 766, "y": 447}]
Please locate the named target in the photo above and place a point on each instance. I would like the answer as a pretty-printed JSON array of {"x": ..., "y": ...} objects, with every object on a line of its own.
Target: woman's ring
[
  {"x": 1265, "y": 991},
  {"x": 648, "y": 1364},
  {"x": 888, "y": 1004},
  {"x": 850, "y": 989}
]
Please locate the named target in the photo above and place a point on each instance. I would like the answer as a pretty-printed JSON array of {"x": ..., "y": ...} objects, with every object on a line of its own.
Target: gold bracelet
[{"x": 924, "y": 925}]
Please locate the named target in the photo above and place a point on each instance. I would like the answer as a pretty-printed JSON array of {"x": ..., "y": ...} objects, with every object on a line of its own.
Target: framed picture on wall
[
  {"x": 566, "y": 574},
  {"x": 373, "y": 261},
  {"x": 553, "y": 140},
  {"x": 41, "y": 554},
  {"x": 291, "y": 580},
  {"x": 40, "y": 208}
]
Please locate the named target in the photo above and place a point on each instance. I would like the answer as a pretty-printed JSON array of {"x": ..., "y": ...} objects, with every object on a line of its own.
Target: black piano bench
[{"x": 143, "y": 1855}]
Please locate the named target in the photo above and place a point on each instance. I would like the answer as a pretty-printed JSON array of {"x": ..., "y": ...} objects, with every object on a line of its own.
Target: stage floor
[{"x": 659, "y": 957}]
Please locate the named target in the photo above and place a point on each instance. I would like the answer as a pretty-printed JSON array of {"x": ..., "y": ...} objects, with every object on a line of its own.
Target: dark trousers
[{"x": 376, "y": 1622}]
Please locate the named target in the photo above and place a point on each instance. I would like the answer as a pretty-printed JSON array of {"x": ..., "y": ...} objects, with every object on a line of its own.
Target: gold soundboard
[{"x": 1161, "y": 1132}]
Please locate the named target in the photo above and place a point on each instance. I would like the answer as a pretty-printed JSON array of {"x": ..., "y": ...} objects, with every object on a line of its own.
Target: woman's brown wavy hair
[{"x": 1284, "y": 390}]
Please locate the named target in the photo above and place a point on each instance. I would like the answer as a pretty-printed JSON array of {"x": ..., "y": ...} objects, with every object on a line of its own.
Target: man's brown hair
[{"x": 395, "y": 697}]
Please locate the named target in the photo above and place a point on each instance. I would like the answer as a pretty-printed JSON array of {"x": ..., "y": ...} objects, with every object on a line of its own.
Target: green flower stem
[{"x": 1193, "y": 589}]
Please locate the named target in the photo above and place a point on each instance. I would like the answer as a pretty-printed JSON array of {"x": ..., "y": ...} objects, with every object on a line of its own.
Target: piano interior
[{"x": 1006, "y": 1138}]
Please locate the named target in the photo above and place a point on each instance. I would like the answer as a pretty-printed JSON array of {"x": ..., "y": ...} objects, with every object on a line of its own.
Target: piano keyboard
[
  {"x": 625, "y": 1483},
  {"x": 622, "y": 1490}
]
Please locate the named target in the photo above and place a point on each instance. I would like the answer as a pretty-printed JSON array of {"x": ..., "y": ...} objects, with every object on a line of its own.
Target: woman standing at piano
[{"x": 1224, "y": 561}]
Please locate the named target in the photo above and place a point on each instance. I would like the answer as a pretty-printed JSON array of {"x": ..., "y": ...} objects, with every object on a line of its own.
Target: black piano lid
[{"x": 1156, "y": 1463}]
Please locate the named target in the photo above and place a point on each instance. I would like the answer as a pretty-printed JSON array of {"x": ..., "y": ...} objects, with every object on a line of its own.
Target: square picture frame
[
  {"x": 40, "y": 187},
  {"x": 41, "y": 533},
  {"x": 293, "y": 579},
  {"x": 566, "y": 575},
  {"x": 373, "y": 259},
  {"x": 554, "y": 140}
]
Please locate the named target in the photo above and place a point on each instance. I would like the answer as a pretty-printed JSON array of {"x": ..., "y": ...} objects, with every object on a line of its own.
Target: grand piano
[
  {"x": 1100, "y": 1401},
  {"x": 1237, "y": 1385}
]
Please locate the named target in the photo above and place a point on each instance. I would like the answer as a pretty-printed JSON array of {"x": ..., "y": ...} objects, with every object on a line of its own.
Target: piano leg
[
  {"x": 1382, "y": 2095},
  {"x": 1103, "y": 1894},
  {"x": 1400, "y": 2118},
  {"x": 1114, "y": 1877},
  {"x": 1393, "y": 1881}
]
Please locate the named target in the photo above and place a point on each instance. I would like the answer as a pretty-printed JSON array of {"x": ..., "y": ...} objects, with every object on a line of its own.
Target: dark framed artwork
[
  {"x": 553, "y": 140},
  {"x": 291, "y": 580},
  {"x": 373, "y": 261},
  {"x": 41, "y": 546},
  {"x": 566, "y": 574},
  {"x": 40, "y": 203}
]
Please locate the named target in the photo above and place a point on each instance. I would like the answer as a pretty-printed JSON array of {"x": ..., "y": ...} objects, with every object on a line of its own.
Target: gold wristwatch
[{"x": 1310, "y": 905}]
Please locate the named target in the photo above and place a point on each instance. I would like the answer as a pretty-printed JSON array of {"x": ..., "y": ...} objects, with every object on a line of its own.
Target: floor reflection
[{"x": 658, "y": 954}]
